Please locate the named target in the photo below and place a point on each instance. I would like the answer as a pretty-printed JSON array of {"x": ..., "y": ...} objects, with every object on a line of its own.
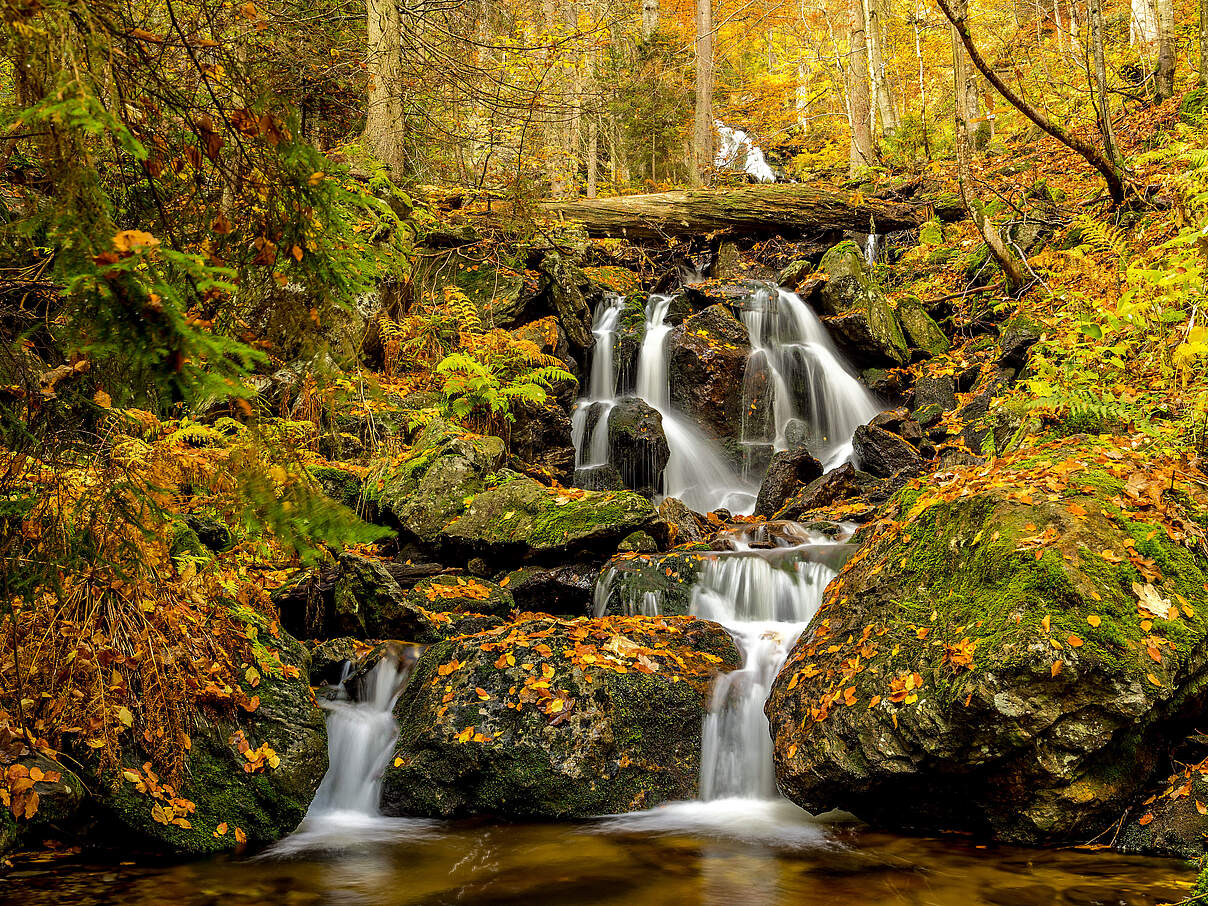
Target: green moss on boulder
[{"x": 858, "y": 311}]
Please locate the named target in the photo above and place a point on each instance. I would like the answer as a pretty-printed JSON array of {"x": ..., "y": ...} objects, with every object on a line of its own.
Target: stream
[{"x": 739, "y": 841}]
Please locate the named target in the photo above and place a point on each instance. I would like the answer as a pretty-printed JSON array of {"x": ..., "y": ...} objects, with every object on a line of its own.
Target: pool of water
[{"x": 688, "y": 854}]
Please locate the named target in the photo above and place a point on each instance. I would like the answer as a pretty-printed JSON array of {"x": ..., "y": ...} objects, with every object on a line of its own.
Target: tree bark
[
  {"x": 650, "y": 18},
  {"x": 1095, "y": 12},
  {"x": 862, "y": 155},
  {"x": 989, "y": 232},
  {"x": 385, "y": 127},
  {"x": 756, "y": 210},
  {"x": 702, "y": 130},
  {"x": 886, "y": 112},
  {"x": 1091, "y": 154},
  {"x": 1164, "y": 71},
  {"x": 1203, "y": 36}
]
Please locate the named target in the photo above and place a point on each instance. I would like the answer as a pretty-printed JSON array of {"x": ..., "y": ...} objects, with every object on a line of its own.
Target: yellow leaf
[
  {"x": 1056, "y": 668},
  {"x": 124, "y": 715},
  {"x": 1153, "y": 679},
  {"x": 1094, "y": 619},
  {"x": 102, "y": 399}
]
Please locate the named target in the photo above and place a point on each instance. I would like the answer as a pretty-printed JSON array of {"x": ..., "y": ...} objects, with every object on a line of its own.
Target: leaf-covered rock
[
  {"x": 554, "y": 718},
  {"x": 1009, "y": 655}
]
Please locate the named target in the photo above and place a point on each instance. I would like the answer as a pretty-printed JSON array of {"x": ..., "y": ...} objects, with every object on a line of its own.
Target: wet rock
[
  {"x": 541, "y": 437},
  {"x": 209, "y": 531},
  {"x": 887, "y": 384},
  {"x": 1015, "y": 342},
  {"x": 922, "y": 333},
  {"x": 329, "y": 658},
  {"x": 843, "y": 483},
  {"x": 266, "y": 803},
  {"x": 638, "y": 542},
  {"x": 599, "y": 478},
  {"x": 461, "y": 595},
  {"x": 521, "y": 517},
  {"x": 648, "y": 584},
  {"x": 898, "y": 421},
  {"x": 935, "y": 390},
  {"x": 795, "y": 273},
  {"x": 685, "y": 527},
  {"x": 788, "y": 471},
  {"x": 637, "y": 445},
  {"x": 883, "y": 454},
  {"x": 569, "y": 737},
  {"x": 707, "y": 361},
  {"x": 49, "y": 797},
  {"x": 1030, "y": 722},
  {"x": 563, "y": 590},
  {"x": 428, "y": 488},
  {"x": 1175, "y": 826},
  {"x": 858, "y": 311}
]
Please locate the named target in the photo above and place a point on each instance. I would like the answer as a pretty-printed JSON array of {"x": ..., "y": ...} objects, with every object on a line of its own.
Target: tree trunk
[
  {"x": 1164, "y": 72},
  {"x": 862, "y": 155},
  {"x": 886, "y": 113},
  {"x": 756, "y": 210},
  {"x": 989, "y": 232},
  {"x": 385, "y": 128},
  {"x": 1203, "y": 82},
  {"x": 1142, "y": 23},
  {"x": 918, "y": 53},
  {"x": 650, "y": 18},
  {"x": 702, "y": 130},
  {"x": 593, "y": 154},
  {"x": 1095, "y": 12},
  {"x": 1091, "y": 154}
]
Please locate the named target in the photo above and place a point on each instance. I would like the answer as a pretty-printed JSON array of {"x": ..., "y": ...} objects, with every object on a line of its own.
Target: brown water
[{"x": 552, "y": 864}]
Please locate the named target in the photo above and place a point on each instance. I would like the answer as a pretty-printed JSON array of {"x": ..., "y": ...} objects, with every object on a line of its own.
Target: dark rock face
[
  {"x": 935, "y": 390},
  {"x": 1040, "y": 715},
  {"x": 637, "y": 445},
  {"x": 267, "y": 802},
  {"x": 649, "y": 583},
  {"x": 1016, "y": 341},
  {"x": 844, "y": 483},
  {"x": 571, "y": 735},
  {"x": 708, "y": 357},
  {"x": 541, "y": 436},
  {"x": 1174, "y": 826},
  {"x": 788, "y": 471},
  {"x": 563, "y": 590},
  {"x": 684, "y": 528},
  {"x": 883, "y": 454}
]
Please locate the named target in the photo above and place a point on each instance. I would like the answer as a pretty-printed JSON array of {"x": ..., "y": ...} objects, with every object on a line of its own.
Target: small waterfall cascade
[
  {"x": 872, "y": 248},
  {"x": 736, "y": 151},
  {"x": 360, "y": 737},
  {"x": 589, "y": 421},
  {"x": 796, "y": 378}
]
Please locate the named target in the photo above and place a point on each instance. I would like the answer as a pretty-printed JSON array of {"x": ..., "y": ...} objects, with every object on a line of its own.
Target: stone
[
  {"x": 548, "y": 743},
  {"x": 938, "y": 390},
  {"x": 685, "y": 526},
  {"x": 898, "y": 421},
  {"x": 795, "y": 273},
  {"x": 707, "y": 358},
  {"x": 857, "y": 311},
  {"x": 922, "y": 333},
  {"x": 638, "y": 542},
  {"x": 788, "y": 471},
  {"x": 637, "y": 445},
  {"x": 843, "y": 483},
  {"x": 266, "y": 804},
  {"x": 648, "y": 584},
  {"x": 520, "y": 517},
  {"x": 540, "y": 436},
  {"x": 883, "y": 454},
  {"x": 452, "y": 594},
  {"x": 599, "y": 478},
  {"x": 564, "y": 590},
  {"x": 427, "y": 488},
  {"x": 1015, "y": 342},
  {"x": 1030, "y": 723}
]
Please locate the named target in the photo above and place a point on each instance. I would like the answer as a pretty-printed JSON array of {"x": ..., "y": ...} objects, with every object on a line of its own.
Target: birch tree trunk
[
  {"x": 650, "y": 18},
  {"x": 702, "y": 130},
  {"x": 384, "y": 122},
  {"x": 1142, "y": 23},
  {"x": 862, "y": 155},
  {"x": 886, "y": 112},
  {"x": 1203, "y": 36},
  {"x": 1095, "y": 12},
  {"x": 1164, "y": 72}
]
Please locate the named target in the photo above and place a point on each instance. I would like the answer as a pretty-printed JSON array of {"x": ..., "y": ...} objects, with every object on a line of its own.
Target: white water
[
  {"x": 736, "y": 151},
  {"x": 360, "y": 740},
  {"x": 795, "y": 362},
  {"x": 591, "y": 446},
  {"x": 872, "y": 243}
]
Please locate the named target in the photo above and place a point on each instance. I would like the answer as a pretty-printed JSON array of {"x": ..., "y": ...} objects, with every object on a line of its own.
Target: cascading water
[
  {"x": 589, "y": 421},
  {"x": 736, "y": 151},
  {"x": 360, "y": 739},
  {"x": 795, "y": 374}
]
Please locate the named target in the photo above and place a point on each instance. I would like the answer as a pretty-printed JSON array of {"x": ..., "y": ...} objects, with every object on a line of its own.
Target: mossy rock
[
  {"x": 857, "y": 310},
  {"x": 341, "y": 485},
  {"x": 428, "y": 487},
  {"x": 265, "y": 804},
  {"x": 461, "y": 594},
  {"x": 523, "y": 517},
  {"x": 922, "y": 333},
  {"x": 1009, "y": 602},
  {"x": 186, "y": 545},
  {"x": 553, "y": 718},
  {"x": 648, "y": 583}
]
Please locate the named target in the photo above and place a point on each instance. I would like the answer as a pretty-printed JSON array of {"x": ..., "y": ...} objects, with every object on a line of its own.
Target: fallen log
[{"x": 756, "y": 210}]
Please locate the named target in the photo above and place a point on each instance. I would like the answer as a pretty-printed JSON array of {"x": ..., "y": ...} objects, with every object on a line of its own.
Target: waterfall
[
  {"x": 736, "y": 151},
  {"x": 360, "y": 739},
  {"x": 589, "y": 421},
  {"x": 872, "y": 244},
  {"x": 794, "y": 373}
]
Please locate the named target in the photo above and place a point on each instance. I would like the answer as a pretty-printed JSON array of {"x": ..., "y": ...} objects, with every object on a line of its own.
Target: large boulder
[
  {"x": 426, "y": 488},
  {"x": 857, "y": 310},
  {"x": 788, "y": 471},
  {"x": 553, "y": 718},
  {"x": 565, "y": 589},
  {"x": 840, "y": 484},
  {"x": 1011, "y": 653},
  {"x": 248, "y": 775},
  {"x": 922, "y": 333},
  {"x": 884, "y": 454},
  {"x": 637, "y": 445},
  {"x": 707, "y": 361},
  {"x": 521, "y": 517}
]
